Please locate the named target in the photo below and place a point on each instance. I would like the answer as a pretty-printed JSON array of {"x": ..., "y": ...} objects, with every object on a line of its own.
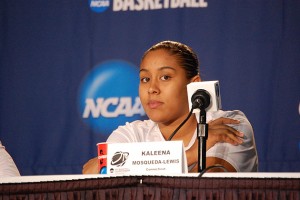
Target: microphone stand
[
  {"x": 202, "y": 133},
  {"x": 201, "y": 99}
]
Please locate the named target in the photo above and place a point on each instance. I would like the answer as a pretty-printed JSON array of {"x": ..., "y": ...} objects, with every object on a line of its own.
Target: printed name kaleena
[{"x": 156, "y": 153}]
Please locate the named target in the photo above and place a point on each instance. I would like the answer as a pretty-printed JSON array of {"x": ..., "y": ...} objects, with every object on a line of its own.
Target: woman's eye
[
  {"x": 165, "y": 77},
  {"x": 144, "y": 80}
]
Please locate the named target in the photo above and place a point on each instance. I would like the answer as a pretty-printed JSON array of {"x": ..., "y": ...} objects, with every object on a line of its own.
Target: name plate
[{"x": 142, "y": 158}]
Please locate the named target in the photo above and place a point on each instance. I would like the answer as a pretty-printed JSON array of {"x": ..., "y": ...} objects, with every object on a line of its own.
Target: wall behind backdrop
[{"x": 69, "y": 72}]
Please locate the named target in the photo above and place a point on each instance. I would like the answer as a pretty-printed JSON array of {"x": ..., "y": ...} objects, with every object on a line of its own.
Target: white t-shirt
[
  {"x": 8, "y": 167},
  {"x": 242, "y": 157}
]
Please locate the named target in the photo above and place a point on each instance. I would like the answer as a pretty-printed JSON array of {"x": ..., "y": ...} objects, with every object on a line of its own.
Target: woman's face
[{"x": 162, "y": 87}]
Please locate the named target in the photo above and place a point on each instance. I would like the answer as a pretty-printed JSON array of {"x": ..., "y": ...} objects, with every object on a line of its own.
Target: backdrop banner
[{"x": 69, "y": 72}]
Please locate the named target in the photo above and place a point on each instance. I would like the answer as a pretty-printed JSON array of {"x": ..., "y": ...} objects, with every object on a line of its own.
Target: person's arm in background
[{"x": 8, "y": 167}]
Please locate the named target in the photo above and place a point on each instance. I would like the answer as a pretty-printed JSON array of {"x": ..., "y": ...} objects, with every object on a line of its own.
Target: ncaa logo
[
  {"x": 108, "y": 96},
  {"x": 99, "y": 5}
]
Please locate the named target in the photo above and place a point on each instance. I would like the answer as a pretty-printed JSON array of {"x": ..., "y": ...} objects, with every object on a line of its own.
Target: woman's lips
[{"x": 154, "y": 104}]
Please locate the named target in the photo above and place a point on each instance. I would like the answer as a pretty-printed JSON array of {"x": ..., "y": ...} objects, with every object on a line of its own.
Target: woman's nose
[{"x": 153, "y": 89}]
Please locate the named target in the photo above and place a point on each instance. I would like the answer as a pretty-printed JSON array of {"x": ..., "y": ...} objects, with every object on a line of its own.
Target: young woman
[{"x": 165, "y": 70}]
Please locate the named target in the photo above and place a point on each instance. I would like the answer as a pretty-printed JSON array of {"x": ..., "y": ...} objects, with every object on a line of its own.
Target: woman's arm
[{"x": 218, "y": 132}]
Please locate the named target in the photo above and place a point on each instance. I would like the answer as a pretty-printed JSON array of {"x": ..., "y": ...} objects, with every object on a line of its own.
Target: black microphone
[{"x": 200, "y": 99}]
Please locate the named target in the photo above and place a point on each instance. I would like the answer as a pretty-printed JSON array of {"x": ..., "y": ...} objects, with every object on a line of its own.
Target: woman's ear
[{"x": 196, "y": 78}]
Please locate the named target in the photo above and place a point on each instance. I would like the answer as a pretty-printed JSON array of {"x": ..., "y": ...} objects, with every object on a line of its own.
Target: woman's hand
[
  {"x": 219, "y": 131},
  {"x": 91, "y": 167}
]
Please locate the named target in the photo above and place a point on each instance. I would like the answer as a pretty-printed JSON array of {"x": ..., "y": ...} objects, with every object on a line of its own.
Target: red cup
[{"x": 102, "y": 157}]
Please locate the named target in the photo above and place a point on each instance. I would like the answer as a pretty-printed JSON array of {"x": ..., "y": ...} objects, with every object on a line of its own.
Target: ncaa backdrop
[{"x": 69, "y": 72}]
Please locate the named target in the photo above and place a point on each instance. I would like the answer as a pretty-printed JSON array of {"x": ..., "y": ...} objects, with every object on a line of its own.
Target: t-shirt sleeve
[{"x": 8, "y": 167}]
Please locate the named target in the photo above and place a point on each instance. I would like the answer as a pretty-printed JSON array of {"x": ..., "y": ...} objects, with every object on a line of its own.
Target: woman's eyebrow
[
  {"x": 159, "y": 69},
  {"x": 143, "y": 70},
  {"x": 167, "y": 67}
]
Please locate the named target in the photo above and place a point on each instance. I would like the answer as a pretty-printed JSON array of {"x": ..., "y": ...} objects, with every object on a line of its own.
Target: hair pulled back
[{"x": 185, "y": 55}]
